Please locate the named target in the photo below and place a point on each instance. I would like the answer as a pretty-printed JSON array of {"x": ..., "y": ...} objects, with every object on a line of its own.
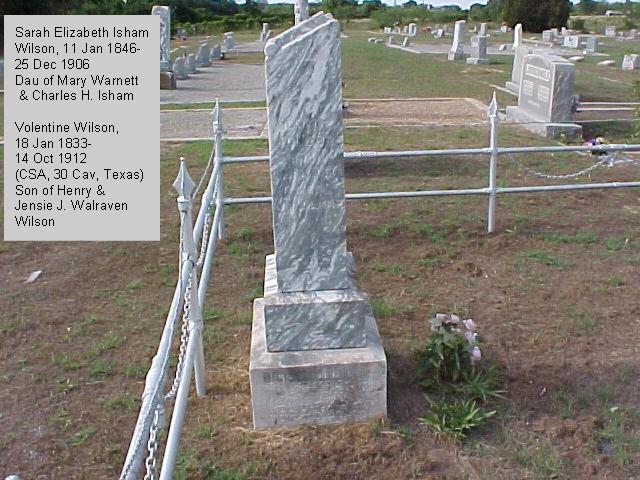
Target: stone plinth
[
  {"x": 167, "y": 81},
  {"x": 330, "y": 386}
]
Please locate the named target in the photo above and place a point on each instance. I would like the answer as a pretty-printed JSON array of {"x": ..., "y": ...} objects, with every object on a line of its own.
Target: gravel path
[
  {"x": 229, "y": 82},
  {"x": 238, "y": 122}
]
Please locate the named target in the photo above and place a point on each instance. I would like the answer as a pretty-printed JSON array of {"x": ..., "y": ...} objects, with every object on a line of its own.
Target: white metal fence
[{"x": 197, "y": 248}]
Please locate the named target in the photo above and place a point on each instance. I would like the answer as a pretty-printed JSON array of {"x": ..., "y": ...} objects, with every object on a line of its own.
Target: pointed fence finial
[
  {"x": 183, "y": 183},
  {"x": 216, "y": 112},
  {"x": 493, "y": 106}
]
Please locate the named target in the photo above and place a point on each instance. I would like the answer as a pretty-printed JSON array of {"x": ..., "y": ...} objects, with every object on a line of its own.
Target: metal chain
[
  {"x": 152, "y": 447},
  {"x": 606, "y": 161},
  {"x": 205, "y": 240},
  {"x": 184, "y": 339}
]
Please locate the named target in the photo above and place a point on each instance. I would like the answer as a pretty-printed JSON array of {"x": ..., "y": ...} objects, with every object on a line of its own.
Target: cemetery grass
[{"x": 554, "y": 293}]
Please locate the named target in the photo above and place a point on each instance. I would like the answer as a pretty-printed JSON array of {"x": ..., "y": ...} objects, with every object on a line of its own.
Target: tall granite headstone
[
  {"x": 300, "y": 11},
  {"x": 546, "y": 97},
  {"x": 316, "y": 355},
  {"x": 216, "y": 53},
  {"x": 167, "y": 77},
  {"x": 179, "y": 69},
  {"x": 517, "y": 36},
  {"x": 457, "y": 48}
]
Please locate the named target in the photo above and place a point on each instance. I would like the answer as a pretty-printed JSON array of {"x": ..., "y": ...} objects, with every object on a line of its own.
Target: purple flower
[
  {"x": 470, "y": 324},
  {"x": 452, "y": 320},
  {"x": 476, "y": 355},
  {"x": 471, "y": 336}
]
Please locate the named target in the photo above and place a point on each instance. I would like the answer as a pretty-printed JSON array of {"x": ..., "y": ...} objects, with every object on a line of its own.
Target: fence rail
[{"x": 198, "y": 241}]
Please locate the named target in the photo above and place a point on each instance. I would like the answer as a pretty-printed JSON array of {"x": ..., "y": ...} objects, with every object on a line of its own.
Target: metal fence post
[
  {"x": 218, "y": 158},
  {"x": 493, "y": 163},
  {"x": 185, "y": 186}
]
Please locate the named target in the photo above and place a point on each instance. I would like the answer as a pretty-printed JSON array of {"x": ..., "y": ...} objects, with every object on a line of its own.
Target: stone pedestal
[
  {"x": 549, "y": 130},
  {"x": 327, "y": 386},
  {"x": 167, "y": 81}
]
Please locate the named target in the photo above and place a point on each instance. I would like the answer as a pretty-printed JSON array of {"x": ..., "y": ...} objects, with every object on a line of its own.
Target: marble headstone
[
  {"x": 483, "y": 29},
  {"x": 630, "y": 62},
  {"x": 504, "y": 29},
  {"x": 191, "y": 63},
  {"x": 517, "y": 36},
  {"x": 405, "y": 42},
  {"x": 228, "y": 41},
  {"x": 478, "y": 51},
  {"x": 165, "y": 35},
  {"x": 179, "y": 69},
  {"x": 592, "y": 45},
  {"x": 216, "y": 53},
  {"x": 457, "y": 48},
  {"x": 203, "y": 57},
  {"x": 413, "y": 30},
  {"x": 516, "y": 70},
  {"x": 263, "y": 33},
  {"x": 316, "y": 355},
  {"x": 611, "y": 31},
  {"x": 546, "y": 96},
  {"x": 572, "y": 41},
  {"x": 439, "y": 33}
]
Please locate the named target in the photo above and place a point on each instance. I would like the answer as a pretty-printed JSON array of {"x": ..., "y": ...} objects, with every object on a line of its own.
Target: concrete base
[
  {"x": 514, "y": 87},
  {"x": 167, "y": 81},
  {"x": 549, "y": 130},
  {"x": 319, "y": 387},
  {"x": 477, "y": 61},
  {"x": 322, "y": 386}
]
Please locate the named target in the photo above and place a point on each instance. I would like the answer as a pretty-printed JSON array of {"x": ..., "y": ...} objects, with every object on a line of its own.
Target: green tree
[
  {"x": 587, "y": 7},
  {"x": 546, "y": 14}
]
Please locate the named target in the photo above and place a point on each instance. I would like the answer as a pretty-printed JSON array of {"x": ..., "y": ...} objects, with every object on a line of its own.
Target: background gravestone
[
  {"x": 630, "y": 62},
  {"x": 478, "y": 51},
  {"x": 167, "y": 78},
  {"x": 315, "y": 344},
  {"x": 457, "y": 47},
  {"x": 516, "y": 70},
  {"x": 546, "y": 97}
]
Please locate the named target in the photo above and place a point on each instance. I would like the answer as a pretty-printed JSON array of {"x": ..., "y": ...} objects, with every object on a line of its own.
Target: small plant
[
  {"x": 481, "y": 386},
  {"x": 450, "y": 352},
  {"x": 454, "y": 418}
]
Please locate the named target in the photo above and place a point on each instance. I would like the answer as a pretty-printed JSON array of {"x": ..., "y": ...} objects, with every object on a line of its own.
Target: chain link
[
  {"x": 606, "y": 161},
  {"x": 152, "y": 447},
  {"x": 205, "y": 240},
  {"x": 184, "y": 339}
]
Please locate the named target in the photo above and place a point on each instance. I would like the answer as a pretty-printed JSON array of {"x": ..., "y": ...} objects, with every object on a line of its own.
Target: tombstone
[
  {"x": 263, "y": 33},
  {"x": 203, "y": 58},
  {"x": 546, "y": 96},
  {"x": 517, "y": 36},
  {"x": 390, "y": 40},
  {"x": 413, "y": 29},
  {"x": 371, "y": 40},
  {"x": 228, "y": 41},
  {"x": 572, "y": 41},
  {"x": 504, "y": 29},
  {"x": 478, "y": 51},
  {"x": 555, "y": 32},
  {"x": 405, "y": 30},
  {"x": 216, "y": 53},
  {"x": 633, "y": 33},
  {"x": 440, "y": 33},
  {"x": 316, "y": 355},
  {"x": 630, "y": 62},
  {"x": 457, "y": 49},
  {"x": 300, "y": 11},
  {"x": 167, "y": 78},
  {"x": 483, "y": 30},
  {"x": 190, "y": 63},
  {"x": 405, "y": 42},
  {"x": 547, "y": 36},
  {"x": 592, "y": 45},
  {"x": 576, "y": 59},
  {"x": 387, "y": 29},
  {"x": 378, "y": 41},
  {"x": 179, "y": 69},
  {"x": 607, "y": 63},
  {"x": 611, "y": 31}
]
